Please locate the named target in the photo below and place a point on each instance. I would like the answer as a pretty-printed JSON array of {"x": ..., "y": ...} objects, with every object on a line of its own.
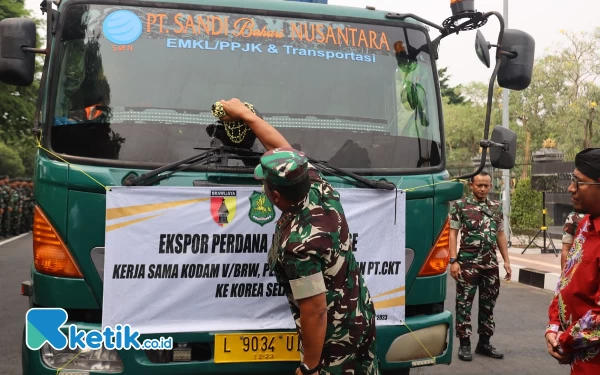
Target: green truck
[{"x": 125, "y": 99}]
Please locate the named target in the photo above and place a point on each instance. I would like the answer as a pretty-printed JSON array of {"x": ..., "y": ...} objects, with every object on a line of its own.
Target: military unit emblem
[
  {"x": 223, "y": 206},
  {"x": 261, "y": 209}
]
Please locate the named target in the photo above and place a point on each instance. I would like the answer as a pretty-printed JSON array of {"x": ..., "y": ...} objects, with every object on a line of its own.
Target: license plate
[{"x": 257, "y": 347}]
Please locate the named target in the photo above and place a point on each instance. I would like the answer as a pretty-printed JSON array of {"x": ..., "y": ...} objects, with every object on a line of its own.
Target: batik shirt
[{"x": 575, "y": 308}]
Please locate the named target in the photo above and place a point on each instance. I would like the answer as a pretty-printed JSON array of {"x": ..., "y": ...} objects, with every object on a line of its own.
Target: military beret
[{"x": 282, "y": 167}]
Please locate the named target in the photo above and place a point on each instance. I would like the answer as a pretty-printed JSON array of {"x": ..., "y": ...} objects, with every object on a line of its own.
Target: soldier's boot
[
  {"x": 464, "y": 350},
  {"x": 485, "y": 348}
]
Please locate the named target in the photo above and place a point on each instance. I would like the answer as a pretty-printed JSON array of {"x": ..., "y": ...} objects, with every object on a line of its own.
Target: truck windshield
[{"x": 137, "y": 85}]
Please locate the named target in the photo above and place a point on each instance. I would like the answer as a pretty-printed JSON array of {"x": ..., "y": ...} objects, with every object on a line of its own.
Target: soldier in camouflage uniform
[
  {"x": 24, "y": 192},
  {"x": 6, "y": 217},
  {"x": 312, "y": 257},
  {"x": 30, "y": 206},
  {"x": 569, "y": 229},
  {"x": 3, "y": 193},
  {"x": 480, "y": 222},
  {"x": 17, "y": 207}
]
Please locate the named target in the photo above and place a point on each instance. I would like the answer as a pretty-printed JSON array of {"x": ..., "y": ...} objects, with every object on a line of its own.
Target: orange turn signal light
[
  {"x": 439, "y": 256},
  {"x": 50, "y": 255}
]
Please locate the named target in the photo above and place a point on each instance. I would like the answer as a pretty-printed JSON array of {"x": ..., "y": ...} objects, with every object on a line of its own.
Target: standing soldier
[
  {"x": 24, "y": 204},
  {"x": 27, "y": 219},
  {"x": 569, "y": 230},
  {"x": 16, "y": 207},
  {"x": 480, "y": 222},
  {"x": 2, "y": 204},
  {"x": 7, "y": 196},
  {"x": 22, "y": 201},
  {"x": 31, "y": 206}
]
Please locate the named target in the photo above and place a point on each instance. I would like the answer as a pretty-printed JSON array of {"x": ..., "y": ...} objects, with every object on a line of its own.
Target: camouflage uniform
[
  {"x": 17, "y": 208},
  {"x": 2, "y": 204},
  {"x": 312, "y": 254},
  {"x": 479, "y": 224},
  {"x": 6, "y": 218},
  {"x": 24, "y": 193},
  {"x": 30, "y": 207},
  {"x": 570, "y": 227}
]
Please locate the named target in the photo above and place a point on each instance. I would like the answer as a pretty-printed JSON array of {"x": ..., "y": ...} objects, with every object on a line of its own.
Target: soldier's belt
[{"x": 470, "y": 249}]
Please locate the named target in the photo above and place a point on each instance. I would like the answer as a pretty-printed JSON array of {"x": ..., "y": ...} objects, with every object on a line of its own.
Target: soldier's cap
[
  {"x": 588, "y": 163},
  {"x": 282, "y": 167}
]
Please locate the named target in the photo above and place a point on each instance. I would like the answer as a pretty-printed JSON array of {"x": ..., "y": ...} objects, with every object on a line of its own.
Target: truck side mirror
[
  {"x": 503, "y": 157},
  {"x": 482, "y": 48},
  {"x": 17, "y": 67},
  {"x": 516, "y": 68}
]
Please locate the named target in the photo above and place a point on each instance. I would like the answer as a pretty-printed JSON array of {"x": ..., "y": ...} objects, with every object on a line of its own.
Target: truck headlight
[{"x": 87, "y": 359}]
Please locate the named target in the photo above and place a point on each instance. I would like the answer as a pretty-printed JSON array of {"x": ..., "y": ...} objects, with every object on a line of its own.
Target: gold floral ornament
[
  {"x": 549, "y": 143},
  {"x": 235, "y": 130}
]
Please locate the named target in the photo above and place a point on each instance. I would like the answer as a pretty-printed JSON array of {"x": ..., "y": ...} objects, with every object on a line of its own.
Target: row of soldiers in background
[{"x": 16, "y": 206}]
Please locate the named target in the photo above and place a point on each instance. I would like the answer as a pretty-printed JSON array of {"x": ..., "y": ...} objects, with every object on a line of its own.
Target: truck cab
[{"x": 128, "y": 87}]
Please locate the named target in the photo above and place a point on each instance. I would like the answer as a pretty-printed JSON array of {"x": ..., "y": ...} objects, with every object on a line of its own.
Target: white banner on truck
[{"x": 181, "y": 259}]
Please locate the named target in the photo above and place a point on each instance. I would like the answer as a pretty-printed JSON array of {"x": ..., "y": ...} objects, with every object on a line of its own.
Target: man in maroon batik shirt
[{"x": 573, "y": 332}]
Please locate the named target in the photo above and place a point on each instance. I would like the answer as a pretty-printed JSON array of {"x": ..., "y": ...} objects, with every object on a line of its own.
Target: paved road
[
  {"x": 520, "y": 316},
  {"x": 15, "y": 260}
]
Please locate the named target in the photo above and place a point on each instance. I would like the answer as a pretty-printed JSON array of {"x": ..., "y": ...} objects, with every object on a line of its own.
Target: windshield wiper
[
  {"x": 216, "y": 153},
  {"x": 326, "y": 167},
  {"x": 212, "y": 154}
]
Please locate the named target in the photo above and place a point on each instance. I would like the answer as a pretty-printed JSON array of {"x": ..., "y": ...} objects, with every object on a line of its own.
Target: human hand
[
  {"x": 508, "y": 271},
  {"x": 553, "y": 348},
  {"x": 236, "y": 110},
  {"x": 455, "y": 270}
]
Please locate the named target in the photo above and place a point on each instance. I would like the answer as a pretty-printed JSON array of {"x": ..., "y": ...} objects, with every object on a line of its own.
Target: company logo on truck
[{"x": 122, "y": 27}]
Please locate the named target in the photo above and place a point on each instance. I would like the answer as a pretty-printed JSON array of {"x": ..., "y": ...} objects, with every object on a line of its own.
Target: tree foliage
[
  {"x": 10, "y": 161},
  {"x": 560, "y": 103},
  {"x": 451, "y": 95},
  {"x": 17, "y": 108},
  {"x": 526, "y": 210}
]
